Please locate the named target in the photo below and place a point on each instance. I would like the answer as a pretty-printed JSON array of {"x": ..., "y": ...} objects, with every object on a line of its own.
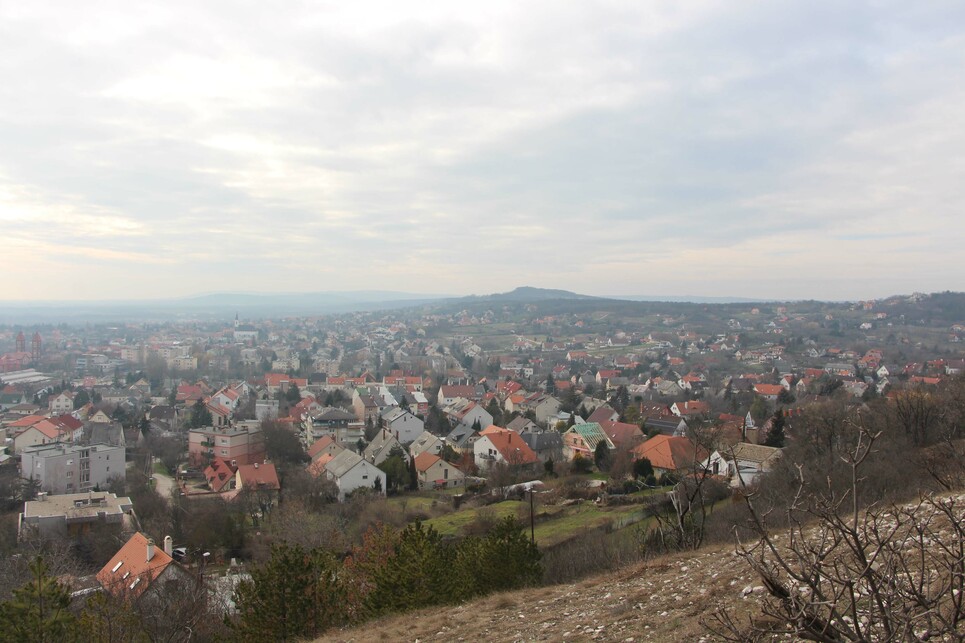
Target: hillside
[{"x": 665, "y": 599}]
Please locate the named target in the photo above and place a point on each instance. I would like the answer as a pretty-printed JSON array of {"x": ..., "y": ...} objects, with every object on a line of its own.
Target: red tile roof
[
  {"x": 670, "y": 453},
  {"x": 129, "y": 572}
]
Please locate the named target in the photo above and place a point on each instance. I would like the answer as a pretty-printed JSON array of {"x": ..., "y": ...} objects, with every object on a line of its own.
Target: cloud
[{"x": 608, "y": 147}]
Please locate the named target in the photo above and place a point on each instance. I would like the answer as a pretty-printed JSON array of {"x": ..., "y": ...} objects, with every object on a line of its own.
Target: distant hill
[{"x": 530, "y": 293}]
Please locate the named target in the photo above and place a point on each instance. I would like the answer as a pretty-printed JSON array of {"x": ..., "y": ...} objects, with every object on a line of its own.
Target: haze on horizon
[{"x": 773, "y": 150}]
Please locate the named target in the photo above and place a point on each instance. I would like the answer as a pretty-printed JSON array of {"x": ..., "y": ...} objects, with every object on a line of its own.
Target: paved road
[{"x": 163, "y": 484}]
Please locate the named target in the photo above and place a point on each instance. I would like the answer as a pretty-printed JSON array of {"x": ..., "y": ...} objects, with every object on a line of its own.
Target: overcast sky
[{"x": 757, "y": 149}]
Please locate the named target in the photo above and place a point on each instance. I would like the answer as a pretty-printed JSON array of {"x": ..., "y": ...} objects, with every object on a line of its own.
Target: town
[{"x": 179, "y": 450}]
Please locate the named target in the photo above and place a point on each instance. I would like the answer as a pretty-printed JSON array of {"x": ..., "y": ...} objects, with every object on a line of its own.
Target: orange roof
[
  {"x": 27, "y": 420},
  {"x": 219, "y": 473},
  {"x": 259, "y": 476},
  {"x": 320, "y": 445},
  {"x": 492, "y": 428},
  {"x": 768, "y": 389},
  {"x": 317, "y": 468},
  {"x": 512, "y": 447},
  {"x": 670, "y": 453},
  {"x": 275, "y": 379},
  {"x": 425, "y": 460},
  {"x": 129, "y": 572}
]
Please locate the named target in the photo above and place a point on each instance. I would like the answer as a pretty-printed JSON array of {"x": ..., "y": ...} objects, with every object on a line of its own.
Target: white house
[
  {"x": 403, "y": 424},
  {"x": 349, "y": 471},
  {"x": 744, "y": 463},
  {"x": 433, "y": 472},
  {"x": 61, "y": 403}
]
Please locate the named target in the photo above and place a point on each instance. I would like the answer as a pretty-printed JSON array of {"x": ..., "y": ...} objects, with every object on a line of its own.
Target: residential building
[
  {"x": 242, "y": 442},
  {"x": 435, "y": 473},
  {"x": 350, "y": 471},
  {"x": 74, "y": 514},
  {"x": 66, "y": 468},
  {"x": 140, "y": 569}
]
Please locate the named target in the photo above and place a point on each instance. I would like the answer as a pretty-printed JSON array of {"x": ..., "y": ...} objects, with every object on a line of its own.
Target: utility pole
[{"x": 532, "y": 518}]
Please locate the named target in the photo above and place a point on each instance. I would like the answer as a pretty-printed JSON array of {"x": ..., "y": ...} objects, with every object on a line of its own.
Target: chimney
[
  {"x": 150, "y": 549},
  {"x": 168, "y": 546}
]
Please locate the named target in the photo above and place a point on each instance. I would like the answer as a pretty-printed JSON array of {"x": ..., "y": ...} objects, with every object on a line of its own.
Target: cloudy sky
[{"x": 759, "y": 149}]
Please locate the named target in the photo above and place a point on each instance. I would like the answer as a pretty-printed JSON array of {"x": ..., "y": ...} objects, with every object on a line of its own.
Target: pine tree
[
  {"x": 775, "y": 437},
  {"x": 38, "y": 611},
  {"x": 417, "y": 575},
  {"x": 295, "y": 595}
]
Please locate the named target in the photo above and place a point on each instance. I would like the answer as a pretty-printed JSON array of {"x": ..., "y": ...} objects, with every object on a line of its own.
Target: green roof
[{"x": 592, "y": 433}]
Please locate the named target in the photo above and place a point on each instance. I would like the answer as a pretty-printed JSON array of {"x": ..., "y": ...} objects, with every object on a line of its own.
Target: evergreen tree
[
  {"x": 296, "y": 594},
  {"x": 508, "y": 559},
  {"x": 38, "y": 611},
  {"x": 601, "y": 456},
  {"x": 293, "y": 395},
  {"x": 550, "y": 385},
  {"x": 200, "y": 416},
  {"x": 775, "y": 437},
  {"x": 642, "y": 468},
  {"x": 419, "y": 574},
  {"x": 477, "y": 425}
]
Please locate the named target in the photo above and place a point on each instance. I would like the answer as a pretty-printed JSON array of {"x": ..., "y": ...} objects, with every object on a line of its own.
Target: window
[
  {"x": 224, "y": 451},
  {"x": 365, "y": 477},
  {"x": 70, "y": 474}
]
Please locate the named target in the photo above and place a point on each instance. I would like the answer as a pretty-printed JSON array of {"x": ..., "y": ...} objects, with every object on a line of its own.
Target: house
[
  {"x": 520, "y": 424},
  {"x": 547, "y": 445},
  {"x": 220, "y": 474},
  {"x": 66, "y": 468},
  {"x": 41, "y": 432},
  {"x": 461, "y": 439},
  {"x": 468, "y": 413},
  {"x": 140, "y": 569},
  {"x": 365, "y": 406},
  {"x": 99, "y": 417},
  {"x": 603, "y": 413},
  {"x": 623, "y": 435},
  {"x": 670, "y": 454},
  {"x": 744, "y": 463},
  {"x": 325, "y": 445},
  {"x": 502, "y": 446},
  {"x": 449, "y": 394},
  {"x": 61, "y": 403},
  {"x": 690, "y": 409},
  {"x": 112, "y": 434},
  {"x": 582, "y": 440},
  {"x": 433, "y": 472},
  {"x": 257, "y": 477},
  {"x": 381, "y": 447},
  {"x": 350, "y": 471},
  {"x": 769, "y": 392},
  {"x": 74, "y": 514},
  {"x": 426, "y": 443},
  {"x": 406, "y": 426},
  {"x": 667, "y": 425}
]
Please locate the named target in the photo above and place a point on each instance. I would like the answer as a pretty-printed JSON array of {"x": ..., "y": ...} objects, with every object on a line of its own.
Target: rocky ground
[{"x": 668, "y": 599}]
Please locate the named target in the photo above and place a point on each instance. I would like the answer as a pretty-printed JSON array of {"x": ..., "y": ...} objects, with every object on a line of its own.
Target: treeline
[
  {"x": 296, "y": 593},
  {"x": 303, "y": 592}
]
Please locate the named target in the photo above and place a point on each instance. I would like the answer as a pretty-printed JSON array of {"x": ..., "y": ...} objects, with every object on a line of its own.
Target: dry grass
[{"x": 665, "y": 599}]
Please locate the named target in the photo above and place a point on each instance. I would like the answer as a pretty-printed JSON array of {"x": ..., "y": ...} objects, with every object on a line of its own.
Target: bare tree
[{"x": 842, "y": 574}]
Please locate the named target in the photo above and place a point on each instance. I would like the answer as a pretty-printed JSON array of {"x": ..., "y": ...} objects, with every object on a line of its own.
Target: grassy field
[{"x": 554, "y": 523}]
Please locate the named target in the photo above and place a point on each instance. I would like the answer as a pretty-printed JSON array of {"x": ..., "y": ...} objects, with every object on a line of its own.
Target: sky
[{"x": 784, "y": 150}]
